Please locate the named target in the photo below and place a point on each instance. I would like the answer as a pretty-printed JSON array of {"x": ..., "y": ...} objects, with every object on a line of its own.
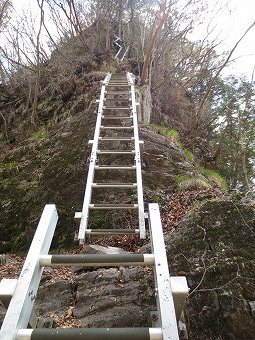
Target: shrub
[
  {"x": 220, "y": 180},
  {"x": 39, "y": 135},
  {"x": 189, "y": 182},
  {"x": 188, "y": 154}
]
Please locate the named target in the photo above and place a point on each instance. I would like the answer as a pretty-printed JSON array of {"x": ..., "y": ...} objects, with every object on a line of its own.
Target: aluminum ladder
[
  {"x": 121, "y": 53},
  {"x": 170, "y": 292},
  {"x": 126, "y": 118}
]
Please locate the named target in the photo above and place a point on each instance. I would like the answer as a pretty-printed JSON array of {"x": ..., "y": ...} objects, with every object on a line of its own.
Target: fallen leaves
[
  {"x": 64, "y": 321},
  {"x": 11, "y": 265},
  {"x": 181, "y": 203},
  {"x": 59, "y": 273}
]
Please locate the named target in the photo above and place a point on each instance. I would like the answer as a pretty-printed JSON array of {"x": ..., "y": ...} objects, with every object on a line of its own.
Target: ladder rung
[
  {"x": 117, "y": 127},
  {"x": 117, "y": 117},
  {"x": 116, "y": 138},
  {"x": 120, "y": 85},
  {"x": 97, "y": 260},
  {"x": 117, "y": 108},
  {"x": 103, "y": 206},
  {"x": 114, "y": 185},
  {"x": 107, "y": 232},
  {"x": 117, "y": 99},
  {"x": 90, "y": 333},
  {"x": 115, "y": 167},
  {"x": 116, "y": 152},
  {"x": 117, "y": 92}
]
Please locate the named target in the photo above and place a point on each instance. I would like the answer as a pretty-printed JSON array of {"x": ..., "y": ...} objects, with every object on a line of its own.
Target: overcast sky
[{"x": 231, "y": 22}]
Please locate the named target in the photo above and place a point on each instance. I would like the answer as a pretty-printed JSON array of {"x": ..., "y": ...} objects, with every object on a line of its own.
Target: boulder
[
  {"x": 98, "y": 249},
  {"x": 53, "y": 297},
  {"x": 114, "y": 298},
  {"x": 214, "y": 247}
]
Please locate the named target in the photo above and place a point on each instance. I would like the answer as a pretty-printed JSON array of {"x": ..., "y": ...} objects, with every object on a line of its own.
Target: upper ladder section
[
  {"x": 117, "y": 88},
  {"x": 120, "y": 50}
]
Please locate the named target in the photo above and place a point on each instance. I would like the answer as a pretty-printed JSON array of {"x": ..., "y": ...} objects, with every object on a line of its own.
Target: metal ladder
[
  {"x": 116, "y": 86},
  {"x": 121, "y": 53},
  {"x": 170, "y": 292}
]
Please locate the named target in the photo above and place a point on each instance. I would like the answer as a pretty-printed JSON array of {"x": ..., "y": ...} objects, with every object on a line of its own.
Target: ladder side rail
[
  {"x": 117, "y": 54},
  {"x": 127, "y": 49},
  {"x": 164, "y": 296},
  {"x": 137, "y": 161},
  {"x": 21, "y": 304},
  {"x": 91, "y": 172},
  {"x": 115, "y": 41}
]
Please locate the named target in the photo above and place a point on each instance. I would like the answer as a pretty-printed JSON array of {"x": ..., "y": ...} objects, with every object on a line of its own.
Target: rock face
[
  {"x": 101, "y": 298},
  {"x": 54, "y": 171},
  {"x": 214, "y": 247},
  {"x": 82, "y": 297},
  {"x": 164, "y": 161},
  {"x": 114, "y": 298},
  {"x": 40, "y": 177},
  {"x": 53, "y": 297}
]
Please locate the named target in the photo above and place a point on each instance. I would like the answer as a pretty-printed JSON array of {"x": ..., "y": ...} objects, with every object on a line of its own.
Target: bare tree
[
  {"x": 4, "y": 7},
  {"x": 159, "y": 22},
  {"x": 224, "y": 64}
]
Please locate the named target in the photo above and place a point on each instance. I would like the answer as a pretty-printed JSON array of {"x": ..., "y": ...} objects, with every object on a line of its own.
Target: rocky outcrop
[
  {"x": 54, "y": 170},
  {"x": 37, "y": 173},
  {"x": 163, "y": 161},
  {"x": 93, "y": 297},
  {"x": 114, "y": 298},
  {"x": 53, "y": 297},
  {"x": 214, "y": 248}
]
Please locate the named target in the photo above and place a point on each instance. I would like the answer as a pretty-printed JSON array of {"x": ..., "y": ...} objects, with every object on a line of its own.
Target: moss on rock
[{"x": 215, "y": 247}]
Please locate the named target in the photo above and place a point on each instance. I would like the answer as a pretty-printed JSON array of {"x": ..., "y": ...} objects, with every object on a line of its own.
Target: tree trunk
[
  {"x": 161, "y": 19},
  {"x": 145, "y": 104}
]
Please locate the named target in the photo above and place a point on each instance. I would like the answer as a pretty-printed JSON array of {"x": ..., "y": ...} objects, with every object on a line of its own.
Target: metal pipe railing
[
  {"x": 21, "y": 304},
  {"x": 91, "y": 172},
  {"x": 91, "y": 334}
]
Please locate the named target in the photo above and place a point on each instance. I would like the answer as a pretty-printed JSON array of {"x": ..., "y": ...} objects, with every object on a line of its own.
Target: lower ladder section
[{"x": 170, "y": 292}]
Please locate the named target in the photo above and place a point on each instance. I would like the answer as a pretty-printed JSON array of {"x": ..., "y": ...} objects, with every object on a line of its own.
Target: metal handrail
[
  {"x": 22, "y": 301},
  {"x": 93, "y": 158},
  {"x": 137, "y": 160},
  {"x": 116, "y": 42}
]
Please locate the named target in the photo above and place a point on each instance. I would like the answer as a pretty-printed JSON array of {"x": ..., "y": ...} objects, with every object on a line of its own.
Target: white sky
[{"x": 231, "y": 22}]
